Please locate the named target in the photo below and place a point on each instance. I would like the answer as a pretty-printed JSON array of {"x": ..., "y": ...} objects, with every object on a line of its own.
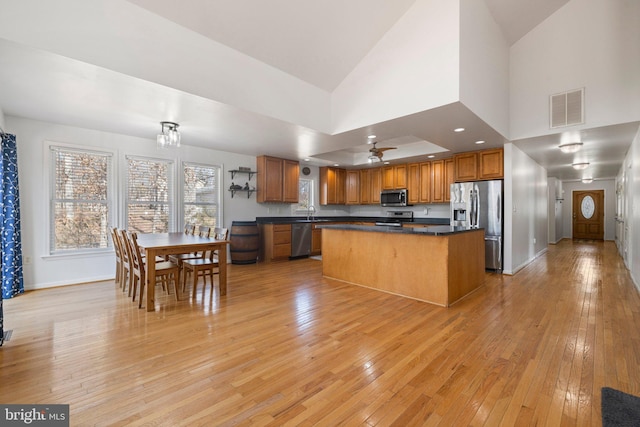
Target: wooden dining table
[{"x": 161, "y": 244}]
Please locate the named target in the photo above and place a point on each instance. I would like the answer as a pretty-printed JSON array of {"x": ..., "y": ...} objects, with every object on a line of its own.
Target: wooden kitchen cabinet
[
  {"x": 365, "y": 186},
  {"x": 442, "y": 176},
  {"x": 394, "y": 177},
  {"x": 376, "y": 185},
  {"x": 449, "y": 178},
  {"x": 437, "y": 181},
  {"x": 275, "y": 242},
  {"x": 413, "y": 183},
  {"x": 387, "y": 178},
  {"x": 491, "y": 164},
  {"x": 291, "y": 183},
  {"x": 425, "y": 182},
  {"x": 277, "y": 180},
  {"x": 352, "y": 187},
  {"x": 316, "y": 240},
  {"x": 332, "y": 186},
  {"x": 466, "y": 166},
  {"x": 479, "y": 165}
]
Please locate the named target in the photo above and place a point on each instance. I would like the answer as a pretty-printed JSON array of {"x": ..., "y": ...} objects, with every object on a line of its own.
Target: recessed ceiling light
[
  {"x": 430, "y": 156},
  {"x": 458, "y": 130},
  {"x": 587, "y": 180},
  {"x": 306, "y": 160},
  {"x": 570, "y": 147},
  {"x": 386, "y": 163},
  {"x": 336, "y": 164},
  {"x": 480, "y": 142},
  {"x": 371, "y": 136},
  {"x": 580, "y": 165}
]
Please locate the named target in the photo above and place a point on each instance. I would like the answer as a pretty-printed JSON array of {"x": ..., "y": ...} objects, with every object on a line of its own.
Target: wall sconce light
[
  {"x": 587, "y": 180},
  {"x": 570, "y": 147},
  {"x": 170, "y": 137}
]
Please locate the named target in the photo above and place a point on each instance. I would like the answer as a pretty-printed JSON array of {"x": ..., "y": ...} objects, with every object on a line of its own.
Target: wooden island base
[{"x": 439, "y": 269}]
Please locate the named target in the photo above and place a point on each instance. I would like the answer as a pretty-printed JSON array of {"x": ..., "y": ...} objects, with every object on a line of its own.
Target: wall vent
[{"x": 567, "y": 108}]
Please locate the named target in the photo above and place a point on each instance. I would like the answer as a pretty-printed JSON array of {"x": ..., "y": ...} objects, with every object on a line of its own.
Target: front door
[{"x": 588, "y": 214}]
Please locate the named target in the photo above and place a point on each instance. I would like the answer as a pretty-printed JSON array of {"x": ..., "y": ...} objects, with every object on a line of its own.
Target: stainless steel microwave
[{"x": 394, "y": 197}]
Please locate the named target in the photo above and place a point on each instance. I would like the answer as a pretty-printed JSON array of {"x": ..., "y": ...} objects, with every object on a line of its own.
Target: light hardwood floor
[{"x": 287, "y": 347}]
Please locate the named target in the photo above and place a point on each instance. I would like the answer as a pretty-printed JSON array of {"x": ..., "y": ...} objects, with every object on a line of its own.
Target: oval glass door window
[{"x": 588, "y": 207}]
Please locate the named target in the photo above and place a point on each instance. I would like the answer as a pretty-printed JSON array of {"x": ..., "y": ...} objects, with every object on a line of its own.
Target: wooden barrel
[{"x": 244, "y": 242}]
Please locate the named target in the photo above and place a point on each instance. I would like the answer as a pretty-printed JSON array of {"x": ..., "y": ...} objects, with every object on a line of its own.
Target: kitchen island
[{"x": 437, "y": 264}]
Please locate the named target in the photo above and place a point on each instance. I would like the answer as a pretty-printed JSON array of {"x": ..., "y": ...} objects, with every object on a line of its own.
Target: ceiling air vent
[{"x": 567, "y": 108}]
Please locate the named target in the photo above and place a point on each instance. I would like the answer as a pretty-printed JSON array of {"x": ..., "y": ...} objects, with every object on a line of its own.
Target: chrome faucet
[{"x": 310, "y": 209}]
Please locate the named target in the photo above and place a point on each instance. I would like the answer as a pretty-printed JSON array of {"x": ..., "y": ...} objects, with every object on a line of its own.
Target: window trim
[
  {"x": 298, "y": 208},
  {"x": 124, "y": 173},
  {"x": 49, "y": 184},
  {"x": 181, "y": 193}
]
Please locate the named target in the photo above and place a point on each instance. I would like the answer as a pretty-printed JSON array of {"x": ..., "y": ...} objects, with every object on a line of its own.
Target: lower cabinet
[
  {"x": 316, "y": 240},
  {"x": 276, "y": 242}
]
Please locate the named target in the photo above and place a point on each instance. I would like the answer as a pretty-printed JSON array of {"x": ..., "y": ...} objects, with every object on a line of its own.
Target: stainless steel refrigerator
[{"x": 479, "y": 205}]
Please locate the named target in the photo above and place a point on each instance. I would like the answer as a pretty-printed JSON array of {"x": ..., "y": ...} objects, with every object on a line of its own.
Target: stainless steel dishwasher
[{"x": 300, "y": 240}]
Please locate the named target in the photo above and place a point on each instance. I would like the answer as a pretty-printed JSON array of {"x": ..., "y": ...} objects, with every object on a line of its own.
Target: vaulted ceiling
[{"x": 317, "y": 42}]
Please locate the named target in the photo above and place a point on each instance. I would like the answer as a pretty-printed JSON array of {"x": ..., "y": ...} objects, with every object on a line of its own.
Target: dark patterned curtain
[{"x": 10, "y": 240}]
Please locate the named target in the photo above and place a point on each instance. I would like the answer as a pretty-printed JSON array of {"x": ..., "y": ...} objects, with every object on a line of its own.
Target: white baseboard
[{"x": 36, "y": 286}]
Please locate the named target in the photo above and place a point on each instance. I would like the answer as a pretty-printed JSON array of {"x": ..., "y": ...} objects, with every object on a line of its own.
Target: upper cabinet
[
  {"x": 394, "y": 177},
  {"x": 479, "y": 165},
  {"x": 277, "y": 180},
  {"x": 365, "y": 186},
  {"x": 466, "y": 166},
  {"x": 491, "y": 164},
  {"x": 449, "y": 178},
  {"x": 352, "y": 187},
  {"x": 332, "y": 186},
  {"x": 413, "y": 183}
]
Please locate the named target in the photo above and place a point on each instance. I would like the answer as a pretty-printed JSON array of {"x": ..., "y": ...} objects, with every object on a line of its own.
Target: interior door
[{"x": 588, "y": 214}]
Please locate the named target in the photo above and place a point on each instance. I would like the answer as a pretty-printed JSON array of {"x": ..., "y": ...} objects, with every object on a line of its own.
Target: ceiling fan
[{"x": 375, "y": 153}]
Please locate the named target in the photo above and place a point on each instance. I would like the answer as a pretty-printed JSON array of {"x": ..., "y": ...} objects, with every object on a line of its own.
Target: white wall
[
  {"x": 586, "y": 43},
  {"x": 414, "y": 67},
  {"x": 526, "y": 209},
  {"x": 632, "y": 214},
  {"x": 31, "y": 135},
  {"x": 555, "y": 210},
  {"x": 609, "y": 187},
  {"x": 484, "y": 66},
  {"x": 120, "y": 36}
]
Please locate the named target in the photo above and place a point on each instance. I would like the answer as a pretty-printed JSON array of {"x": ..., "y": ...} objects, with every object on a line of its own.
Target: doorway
[{"x": 588, "y": 214}]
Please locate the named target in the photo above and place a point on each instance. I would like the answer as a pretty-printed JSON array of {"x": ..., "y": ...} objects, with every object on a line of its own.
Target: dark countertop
[
  {"x": 434, "y": 230},
  {"x": 322, "y": 219}
]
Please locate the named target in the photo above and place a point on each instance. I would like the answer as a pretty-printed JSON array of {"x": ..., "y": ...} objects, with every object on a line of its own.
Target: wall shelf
[
  {"x": 233, "y": 192},
  {"x": 236, "y": 171}
]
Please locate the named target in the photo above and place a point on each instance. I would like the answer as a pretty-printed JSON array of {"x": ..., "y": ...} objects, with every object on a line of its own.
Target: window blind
[
  {"x": 80, "y": 200},
  {"x": 149, "y": 195},
  {"x": 201, "y": 194}
]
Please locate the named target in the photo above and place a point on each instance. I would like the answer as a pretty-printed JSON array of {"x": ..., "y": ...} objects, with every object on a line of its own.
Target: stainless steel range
[{"x": 396, "y": 218}]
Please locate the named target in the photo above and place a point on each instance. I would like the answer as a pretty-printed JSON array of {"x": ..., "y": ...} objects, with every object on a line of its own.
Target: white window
[
  {"x": 305, "y": 194},
  {"x": 201, "y": 195},
  {"x": 150, "y": 203},
  {"x": 81, "y": 183}
]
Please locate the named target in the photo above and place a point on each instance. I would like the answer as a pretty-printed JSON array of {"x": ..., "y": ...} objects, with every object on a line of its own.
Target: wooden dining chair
[
  {"x": 203, "y": 231},
  {"x": 166, "y": 271},
  {"x": 118, "y": 252},
  {"x": 189, "y": 229},
  {"x": 125, "y": 252},
  {"x": 205, "y": 266}
]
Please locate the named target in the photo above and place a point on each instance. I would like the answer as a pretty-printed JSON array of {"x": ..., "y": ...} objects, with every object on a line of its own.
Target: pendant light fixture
[{"x": 170, "y": 137}]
